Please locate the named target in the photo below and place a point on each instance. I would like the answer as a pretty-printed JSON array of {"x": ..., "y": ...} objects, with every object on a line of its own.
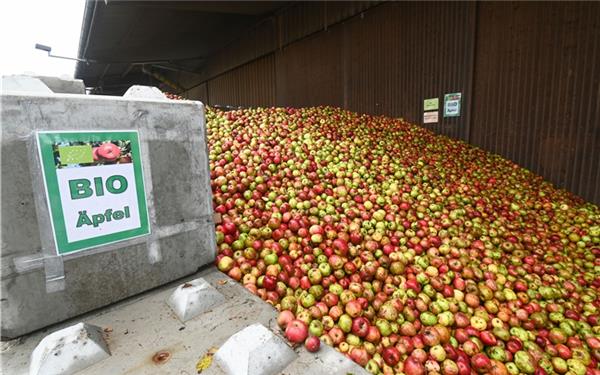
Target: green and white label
[
  {"x": 452, "y": 104},
  {"x": 94, "y": 186},
  {"x": 431, "y": 104}
]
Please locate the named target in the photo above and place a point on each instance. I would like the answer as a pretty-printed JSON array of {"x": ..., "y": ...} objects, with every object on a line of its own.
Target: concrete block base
[
  {"x": 69, "y": 350},
  {"x": 254, "y": 351},
  {"x": 193, "y": 298}
]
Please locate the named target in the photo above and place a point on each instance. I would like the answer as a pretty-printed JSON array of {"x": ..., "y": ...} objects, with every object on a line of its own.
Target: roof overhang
[{"x": 131, "y": 42}]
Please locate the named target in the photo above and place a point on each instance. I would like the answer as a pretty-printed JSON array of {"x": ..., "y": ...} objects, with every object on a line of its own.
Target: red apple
[
  {"x": 360, "y": 326},
  {"x": 296, "y": 331},
  {"x": 109, "y": 151},
  {"x": 312, "y": 344},
  {"x": 284, "y": 318},
  {"x": 391, "y": 355}
]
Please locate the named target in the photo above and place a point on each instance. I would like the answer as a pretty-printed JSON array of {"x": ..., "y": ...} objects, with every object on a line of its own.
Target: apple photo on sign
[{"x": 94, "y": 153}]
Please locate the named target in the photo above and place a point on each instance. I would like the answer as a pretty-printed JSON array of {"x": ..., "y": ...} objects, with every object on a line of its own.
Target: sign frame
[
  {"x": 455, "y": 97},
  {"x": 45, "y": 143}
]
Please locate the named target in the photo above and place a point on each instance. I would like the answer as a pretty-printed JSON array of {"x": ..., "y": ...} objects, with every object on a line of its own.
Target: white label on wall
[{"x": 430, "y": 117}]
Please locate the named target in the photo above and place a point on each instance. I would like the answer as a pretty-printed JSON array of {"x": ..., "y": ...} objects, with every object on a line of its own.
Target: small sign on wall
[
  {"x": 430, "y": 117},
  {"x": 430, "y": 108},
  {"x": 431, "y": 104},
  {"x": 452, "y": 104}
]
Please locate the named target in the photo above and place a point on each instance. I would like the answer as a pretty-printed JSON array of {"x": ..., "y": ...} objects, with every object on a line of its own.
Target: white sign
[
  {"x": 430, "y": 117},
  {"x": 452, "y": 104},
  {"x": 102, "y": 210},
  {"x": 94, "y": 187}
]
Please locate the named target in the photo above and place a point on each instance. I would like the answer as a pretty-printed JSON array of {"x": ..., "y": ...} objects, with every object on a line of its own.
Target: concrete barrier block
[
  {"x": 173, "y": 148},
  {"x": 254, "y": 351},
  {"x": 63, "y": 86},
  {"x": 193, "y": 298},
  {"x": 144, "y": 92},
  {"x": 69, "y": 350},
  {"x": 23, "y": 83}
]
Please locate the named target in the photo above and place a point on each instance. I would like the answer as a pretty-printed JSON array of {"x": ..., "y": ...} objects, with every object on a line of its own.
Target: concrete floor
[{"x": 138, "y": 328}]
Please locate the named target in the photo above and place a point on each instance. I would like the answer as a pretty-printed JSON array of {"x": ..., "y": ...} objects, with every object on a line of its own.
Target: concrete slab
[
  {"x": 145, "y": 336},
  {"x": 194, "y": 297},
  {"x": 173, "y": 148},
  {"x": 69, "y": 350}
]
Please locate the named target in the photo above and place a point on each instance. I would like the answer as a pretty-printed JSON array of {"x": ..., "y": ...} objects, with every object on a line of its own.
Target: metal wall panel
[
  {"x": 400, "y": 53},
  {"x": 292, "y": 23},
  {"x": 199, "y": 92},
  {"x": 340, "y": 10},
  {"x": 537, "y": 90},
  {"x": 251, "y": 85},
  {"x": 257, "y": 42},
  {"x": 308, "y": 72},
  {"x": 384, "y": 62},
  {"x": 302, "y": 19}
]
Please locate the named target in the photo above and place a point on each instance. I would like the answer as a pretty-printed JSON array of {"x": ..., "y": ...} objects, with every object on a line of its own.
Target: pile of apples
[{"x": 407, "y": 251}]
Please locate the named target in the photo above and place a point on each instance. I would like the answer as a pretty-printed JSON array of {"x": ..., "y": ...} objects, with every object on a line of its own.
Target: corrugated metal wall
[
  {"x": 401, "y": 53},
  {"x": 292, "y": 23},
  {"x": 537, "y": 90},
  {"x": 309, "y": 72},
  {"x": 250, "y": 85},
  {"x": 529, "y": 74}
]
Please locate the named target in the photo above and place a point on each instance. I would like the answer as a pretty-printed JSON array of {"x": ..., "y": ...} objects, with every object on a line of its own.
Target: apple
[
  {"x": 108, "y": 151},
  {"x": 360, "y": 326},
  {"x": 391, "y": 355},
  {"x": 413, "y": 367},
  {"x": 384, "y": 327},
  {"x": 337, "y": 335},
  {"x": 315, "y": 328},
  {"x": 312, "y": 344},
  {"x": 225, "y": 264},
  {"x": 345, "y": 323},
  {"x": 270, "y": 283},
  {"x": 328, "y": 322},
  {"x": 296, "y": 331},
  {"x": 373, "y": 334},
  {"x": 284, "y": 318},
  {"x": 360, "y": 356},
  {"x": 353, "y": 308},
  {"x": 330, "y": 299}
]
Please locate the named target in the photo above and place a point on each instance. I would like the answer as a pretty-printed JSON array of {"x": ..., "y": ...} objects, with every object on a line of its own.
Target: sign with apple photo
[{"x": 94, "y": 187}]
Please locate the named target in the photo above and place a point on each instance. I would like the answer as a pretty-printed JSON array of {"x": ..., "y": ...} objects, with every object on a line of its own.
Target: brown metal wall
[
  {"x": 309, "y": 73},
  {"x": 537, "y": 90},
  {"x": 251, "y": 85},
  {"x": 529, "y": 74},
  {"x": 199, "y": 92},
  {"x": 401, "y": 53},
  {"x": 290, "y": 24}
]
